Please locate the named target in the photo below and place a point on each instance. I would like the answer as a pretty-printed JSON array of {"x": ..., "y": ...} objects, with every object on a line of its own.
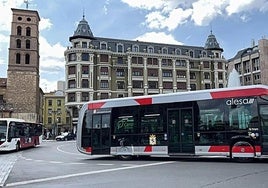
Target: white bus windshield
[{"x": 3, "y": 130}]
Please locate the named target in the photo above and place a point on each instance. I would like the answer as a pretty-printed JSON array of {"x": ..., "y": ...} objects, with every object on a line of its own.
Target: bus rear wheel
[
  {"x": 242, "y": 151},
  {"x": 125, "y": 157}
]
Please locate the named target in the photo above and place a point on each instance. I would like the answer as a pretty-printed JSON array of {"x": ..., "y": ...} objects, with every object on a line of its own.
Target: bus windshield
[{"x": 3, "y": 130}]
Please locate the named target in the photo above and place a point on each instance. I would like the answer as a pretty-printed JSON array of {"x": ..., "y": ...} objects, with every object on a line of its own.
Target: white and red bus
[
  {"x": 226, "y": 122},
  {"x": 16, "y": 134}
]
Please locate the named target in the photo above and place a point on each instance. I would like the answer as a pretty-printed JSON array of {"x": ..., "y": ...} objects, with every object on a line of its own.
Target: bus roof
[
  {"x": 242, "y": 91},
  {"x": 12, "y": 119}
]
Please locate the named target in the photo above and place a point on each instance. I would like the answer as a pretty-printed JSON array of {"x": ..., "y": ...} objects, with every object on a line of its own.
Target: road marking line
[
  {"x": 66, "y": 152},
  {"x": 105, "y": 164},
  {"x": 84, "y": 174}
]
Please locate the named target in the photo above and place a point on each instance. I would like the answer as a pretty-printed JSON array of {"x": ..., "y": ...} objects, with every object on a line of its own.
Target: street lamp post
[{"x": 54, "y": 127}]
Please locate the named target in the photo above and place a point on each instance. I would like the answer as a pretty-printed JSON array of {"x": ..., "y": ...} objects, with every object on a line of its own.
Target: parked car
[{"x": 65, "y": 136}]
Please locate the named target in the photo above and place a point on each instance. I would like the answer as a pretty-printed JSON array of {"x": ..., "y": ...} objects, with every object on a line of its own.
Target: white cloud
[
  {"x": 145, "y": 4},
  {"x": 48, "y": 86},
  {"x": 164, "y": 14},
  {"x": 204, "y": 11},
  {"x": 44, "y": 24},
  {"x": 160, "y": 37},
  {"x": 51, "y": 57}
]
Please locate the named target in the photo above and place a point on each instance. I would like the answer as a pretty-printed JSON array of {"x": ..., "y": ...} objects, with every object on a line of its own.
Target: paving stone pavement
[{"x": 7, "y": 160}]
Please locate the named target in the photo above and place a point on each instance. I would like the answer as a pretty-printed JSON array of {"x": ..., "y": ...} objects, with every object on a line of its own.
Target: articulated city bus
[
  {"x": 16, "y": 134},
  {"x": 226, "y": 122}
]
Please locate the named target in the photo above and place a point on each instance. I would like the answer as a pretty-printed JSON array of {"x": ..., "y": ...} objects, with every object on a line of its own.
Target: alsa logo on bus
[{"x": 233, "y": 101}]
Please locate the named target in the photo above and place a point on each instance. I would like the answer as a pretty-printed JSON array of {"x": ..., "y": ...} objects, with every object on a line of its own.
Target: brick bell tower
[{"x": 23, "y": 90}]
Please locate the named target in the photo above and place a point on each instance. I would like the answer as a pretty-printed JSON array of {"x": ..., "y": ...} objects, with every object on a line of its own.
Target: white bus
[
  {"x": 16, "y": 134},
  {"x": 226, "y": 122}
]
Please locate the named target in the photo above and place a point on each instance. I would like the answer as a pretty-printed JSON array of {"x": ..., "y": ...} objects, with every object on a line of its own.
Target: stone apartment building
[
  {"x": 101, "y": 68},
  {"x": 251, "y": 64}
]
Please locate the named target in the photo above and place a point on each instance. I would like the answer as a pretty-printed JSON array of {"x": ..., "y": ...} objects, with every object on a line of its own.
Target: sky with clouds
[{"x": 235, "y": 23}]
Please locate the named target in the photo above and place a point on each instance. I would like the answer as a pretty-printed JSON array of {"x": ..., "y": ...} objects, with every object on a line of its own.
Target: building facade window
[
  {"x": 137, "y": 84},
  {"x": 167, "y": 85},
  {"x": 153, "y": 72},
  {"x": 85, "y": 57},
  {"x": 193, "y": 87},
  {"x": 17, "y": 58},
  {"x": 85, "y": 69},
  {"x": 153, "y": 85},
  {"x": 167, "y": 73},
  {"x": 181, "y": 74},
  {"x": 27, "y": 59},
  {"x": 207, "y": 86},
  {"x": 120, "y": 72},
  {"x": 18, "y": 43},
  {"x": 137, "y": 72},
  {"x": 120, "y": 85},
  {"x": 71, "y": 97},
  {"x": 206, "y": 75},
  {"x": 19, "y": 30},
  {"x": 104, "y": 84},
  {"x": 166, "y": 62},
  {"x": 28, "y": 31},
  {"x": 137, "y": 60},
  {"x": 28, "y": 44},
  {"x": 104, "y": 71},
  {"x": 71, "y": 84},
  {"x": 180, "y": 63},
  {"x": 150, "y": 49},
  {"x": 120, "y": 48},
  {"x": 152, "y": 61},
  {"x": 58, "y": 102},
  {"x": 84, "y": 44},
  {"x": 71, "y": 70},
  {"x": 181, "y": 85},
  {"x": 104, "y": 58},
  {"x": 72, "y": 57},
  {"x": 85, "y": 96},
  {"x": 206, "y": 64},
  {"x": 135, "y": 48},
  {"x": 103, "y": 46},
  {"x": 120, "y": 60},
  {"x": 85, "y": 83},
  {"x": 49, "y": 102}
]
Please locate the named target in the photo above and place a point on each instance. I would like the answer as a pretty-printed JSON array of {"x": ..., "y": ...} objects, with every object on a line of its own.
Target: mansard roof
[
  {"x": 83, "y": 30},
  {"x": 212, "y": 44}
]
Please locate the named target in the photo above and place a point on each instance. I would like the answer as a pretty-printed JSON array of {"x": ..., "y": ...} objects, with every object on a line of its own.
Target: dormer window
[
  {"x": 103, "y": 46},
  {"x": 135, "y": 48}
]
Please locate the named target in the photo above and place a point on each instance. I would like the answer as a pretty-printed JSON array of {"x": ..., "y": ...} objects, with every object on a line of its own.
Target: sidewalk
[{"x": 7, "y": 160}]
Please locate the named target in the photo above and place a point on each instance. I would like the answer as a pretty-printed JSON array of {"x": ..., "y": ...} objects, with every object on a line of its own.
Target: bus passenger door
[
  {"x": 101, "y": 142},
  {"x": 264, "y": 128},
  {"x": 180, "y": 127}
]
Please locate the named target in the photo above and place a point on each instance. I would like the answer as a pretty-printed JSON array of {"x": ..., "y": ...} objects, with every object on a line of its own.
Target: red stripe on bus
[
  {"x": 243, "y": 149},
  {"x": 239, "y": 93},
  {"x": 144, "y": 101},
  {"x": 92, "y": 106},
  {"x": 219, "y": 149},
  {"x": 88, "y": 149},
  {"x": 258, "y": 148},
  {"x": 148, "y": 149}
]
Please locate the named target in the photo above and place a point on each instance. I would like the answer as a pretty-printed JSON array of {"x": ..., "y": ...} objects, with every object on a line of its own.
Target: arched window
[
  {"x": 17, "y": 58},
  {"x": 119, "y": 48},
  {"x": 28, "y": 31},
  {"x": 178, "y": 52},
  {"x": 135, "y": 48},
  {"x": 103, "y": 46},
  {"x": 27, "y": 59},
  {"x": 18, "y": 41},
  {"x": 28, "y": 44},
  {"x": 19, "y": 30},
  {"x": 150, "y": 49},
  {"x": 164, "y": 51}
]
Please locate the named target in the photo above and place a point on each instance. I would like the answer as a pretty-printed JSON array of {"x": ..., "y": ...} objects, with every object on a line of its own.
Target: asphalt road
[{"x": 59, "y": 164}]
